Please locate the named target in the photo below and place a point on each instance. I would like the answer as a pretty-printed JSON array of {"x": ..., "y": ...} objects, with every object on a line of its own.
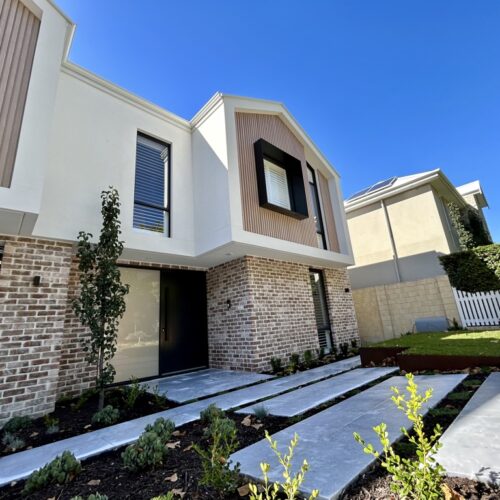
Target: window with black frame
[
  {"x": 318, "y": 218},
  {"x": 321, "y": 310},
  {"x": 151, "y": 193}
]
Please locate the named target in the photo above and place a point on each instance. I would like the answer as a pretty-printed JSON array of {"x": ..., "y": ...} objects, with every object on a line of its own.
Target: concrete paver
[
  {"x": 326, "y": 439},
  {"x": 471, "y": 445}
]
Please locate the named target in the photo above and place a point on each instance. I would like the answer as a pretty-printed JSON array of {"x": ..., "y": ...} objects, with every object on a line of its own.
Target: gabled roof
[{"x": 396, "y": 185}]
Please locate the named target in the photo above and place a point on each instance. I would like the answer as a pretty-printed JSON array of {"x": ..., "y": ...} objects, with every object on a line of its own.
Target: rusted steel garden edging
[
  {"x": 379, "y": 355},
  {"x": 396, "y": 356}
]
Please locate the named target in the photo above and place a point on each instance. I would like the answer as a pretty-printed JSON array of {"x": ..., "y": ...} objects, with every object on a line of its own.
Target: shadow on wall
[{"x": 411, "y": 268}]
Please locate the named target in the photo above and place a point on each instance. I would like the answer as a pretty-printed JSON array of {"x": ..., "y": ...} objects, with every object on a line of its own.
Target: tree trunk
[{"x": 100, "y": 366}]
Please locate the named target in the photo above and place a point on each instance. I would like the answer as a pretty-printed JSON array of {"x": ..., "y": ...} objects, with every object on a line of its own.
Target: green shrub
[
  {"x": 169, "y": 496},
  {"x": 150, "y": 449},
  {"x": 210, "y": 413},
  {"x": 92, "y": 496},
  {"x": 276, "y": 365},
  {"x": 12, "y": 442},
  {"x": 133, "y": 392},
  {"x": 84, "y": 397},
  {"x": 411, "y": 478},
  {"x": 344, "y": 349},
  {"x": 444, "y": 412},
  {"x": 459, "y": 396},
  {"x": 291, "y": 486},
  {"x": 51, "y": 424},
  {"x": 476, "y": 270},
  {"x": 61, "y": 470},
  {"x": 17, "y": 423},
  {"x": 294, "y": 362},
  {"x": 308, "y": 358},
  {"x": 218, "y": 472},
  {"x": 261, "y": 412},
  {"x": 107, "y": 416},
  {"x": 159, "y": 398},
  {"x": 321, "y": 353}
]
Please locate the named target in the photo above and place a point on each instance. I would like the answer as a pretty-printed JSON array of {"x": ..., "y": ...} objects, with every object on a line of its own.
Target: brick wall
[
  {"x": 271, "y": 313},
  {"x": 32, "y": 320}
]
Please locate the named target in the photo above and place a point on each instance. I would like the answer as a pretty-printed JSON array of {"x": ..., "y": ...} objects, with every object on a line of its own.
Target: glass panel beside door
[{"x": 321, "y": 310}]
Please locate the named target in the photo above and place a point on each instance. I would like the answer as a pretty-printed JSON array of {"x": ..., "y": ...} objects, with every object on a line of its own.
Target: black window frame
[
  {"x": 295, "y": 179},
  {"x": 168, "y": 179},
  {"x": 317, "y": 204}
]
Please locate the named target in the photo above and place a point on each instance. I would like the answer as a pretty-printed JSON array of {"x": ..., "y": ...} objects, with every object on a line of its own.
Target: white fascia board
[{"x": 99, "y": 83}]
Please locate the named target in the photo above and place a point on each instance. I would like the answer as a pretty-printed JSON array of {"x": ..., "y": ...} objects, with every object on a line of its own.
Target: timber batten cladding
[
  {"x": 18, "y": 35},
  {"x": 328, "y": 217},
  {"x": 251, "y": 127}
]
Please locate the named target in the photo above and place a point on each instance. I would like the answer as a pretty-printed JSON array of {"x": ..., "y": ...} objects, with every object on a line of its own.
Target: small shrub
[
  {"x": 473, "y": 383},
  {"x": 169, "y": 496},
  {"x": 61, "y": 470},
  {"x": 133, "y": 392},
  {"x": 92, "y": 496},
  {"x": 459, "y": 396},
  {"x": 444, "y": 412},
  {"x": 308, "y": 358},
  {"x": 321, "y": 353},
  {"x": 107, "y": 416},
  {"x": 291, "y": 486},
  {"x": 51, "y": 424},
  {"x": 344, "y": 349},
  {"x": 294, "y": 362},
  {"x": 334, "y": 350},
  {"x": 217, "y": 470},
  {"x": 83, "y": 399},
  {"x": 17, "y": 423},
  {"x": 261, "y": 412},
  {"x": 411, "y": 478},
  {"x": 159, "y": 398},
  {"x": 354, "y": 344},
  {"x": 210, "y": 413},
  {"x": 276, "y": 365},
  {"x": 12, "y": 442},
  {"x": 150, "y": 449}
]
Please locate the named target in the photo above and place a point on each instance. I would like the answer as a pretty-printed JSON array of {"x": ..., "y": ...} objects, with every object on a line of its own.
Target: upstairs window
[
  {"x": 151, "y": 195},
  {"x": 280, "y": 180},
  {"x": 276, "y": 185},
  {"x": 318, "y": 218}
]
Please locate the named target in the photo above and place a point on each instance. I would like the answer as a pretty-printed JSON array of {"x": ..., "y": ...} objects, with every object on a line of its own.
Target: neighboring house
[
  {"x": 236, "y": 242},
  {"x": 399, "y": 227}
]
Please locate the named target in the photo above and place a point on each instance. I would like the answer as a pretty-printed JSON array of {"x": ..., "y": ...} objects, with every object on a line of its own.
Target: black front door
[{"x": 183, "y": 321}]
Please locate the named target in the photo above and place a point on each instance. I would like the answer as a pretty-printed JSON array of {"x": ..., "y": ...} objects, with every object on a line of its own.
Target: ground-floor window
[
  {"x": 138, "y": 340},
  {"x": 321, "y": 309}
]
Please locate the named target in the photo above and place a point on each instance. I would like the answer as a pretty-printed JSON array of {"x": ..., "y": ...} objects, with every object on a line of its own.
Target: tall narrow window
[
  {"x": 318, "y": 218},
  {"x": 2, "y": 248},
  {"x": 321, "y": 310},
  {"x": 151, "y": 197}
]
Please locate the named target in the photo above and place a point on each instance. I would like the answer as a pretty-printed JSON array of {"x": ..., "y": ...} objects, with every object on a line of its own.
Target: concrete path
[
  {"x": 299, "y": 401},
  {"x": 195, "y": 385},
  {"x": 22, "y": 464},
  {"x": 471, "y": 445},
  {"x": 326, "y": 439}
]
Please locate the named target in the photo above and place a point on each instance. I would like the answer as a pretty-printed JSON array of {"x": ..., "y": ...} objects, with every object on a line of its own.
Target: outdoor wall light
[
  {"x": 347, "y": 290},
  {"x": 36, "y": 280},
  {"x": 228, "y": 302}
]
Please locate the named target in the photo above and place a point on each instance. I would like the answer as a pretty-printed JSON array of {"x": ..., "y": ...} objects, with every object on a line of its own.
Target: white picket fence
[{"x": 478, "y": 309}]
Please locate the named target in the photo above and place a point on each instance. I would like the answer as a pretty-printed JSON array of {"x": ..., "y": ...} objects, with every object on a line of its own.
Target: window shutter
[
  {"x": 150, "y": 185},
  {"x": 276, "y": 185}
]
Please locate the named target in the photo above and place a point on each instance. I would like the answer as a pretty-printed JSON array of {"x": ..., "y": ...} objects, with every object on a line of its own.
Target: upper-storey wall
[
  {"x": 93, "y": 146},
  {"x": 34, "y": 38}
]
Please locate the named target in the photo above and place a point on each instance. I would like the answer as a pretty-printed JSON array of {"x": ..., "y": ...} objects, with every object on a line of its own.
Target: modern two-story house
[
  {"x": 236, "y": 242},
  {"x": 399, "y": 227}
]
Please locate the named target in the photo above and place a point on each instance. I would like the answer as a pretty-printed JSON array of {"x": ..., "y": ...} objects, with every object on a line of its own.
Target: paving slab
[
  {"x": 19, "y": 465},
  {"x": 301, "y": 400},
  {"x": 326, "y": 439},
  {"x": 471, "y": 445},
  {"x": 194, "y": 385}
]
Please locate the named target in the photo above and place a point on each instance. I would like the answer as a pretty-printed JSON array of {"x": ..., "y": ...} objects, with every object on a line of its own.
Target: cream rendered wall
[
  {"x": 370, "y": 237},
  {"x": 211, "y": 184},
  {"x": 32, "y": 160},
  {"x": 93, "y": 146},
  {"x": 416, "y": 223}
]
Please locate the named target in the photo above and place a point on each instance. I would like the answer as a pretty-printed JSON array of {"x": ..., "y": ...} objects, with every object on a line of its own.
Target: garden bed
[
  {"x": 73, "y": 417},
  {"x": 182, "y": 468}
]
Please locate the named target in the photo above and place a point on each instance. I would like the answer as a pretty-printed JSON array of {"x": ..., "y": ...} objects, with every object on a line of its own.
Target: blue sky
[{"x": 384, "y": 88}]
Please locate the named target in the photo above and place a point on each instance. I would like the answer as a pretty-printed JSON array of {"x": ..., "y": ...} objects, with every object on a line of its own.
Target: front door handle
[{"x": 164, "y": 333}]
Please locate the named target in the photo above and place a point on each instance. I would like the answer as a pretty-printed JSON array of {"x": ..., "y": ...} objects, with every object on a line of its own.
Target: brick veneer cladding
[
  {"x": 32, "y": 320},
  {"x": 271, "y": 311}
]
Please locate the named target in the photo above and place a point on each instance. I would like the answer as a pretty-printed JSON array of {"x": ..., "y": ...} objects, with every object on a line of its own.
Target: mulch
[{"x": 74, "y": 417}]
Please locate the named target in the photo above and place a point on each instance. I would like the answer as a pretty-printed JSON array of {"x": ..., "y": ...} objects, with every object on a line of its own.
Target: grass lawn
[{"x": 449, "y": 343}]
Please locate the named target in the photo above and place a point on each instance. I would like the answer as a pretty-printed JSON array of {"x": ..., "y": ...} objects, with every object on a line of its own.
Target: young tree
[{"x": 101, "y": 302}]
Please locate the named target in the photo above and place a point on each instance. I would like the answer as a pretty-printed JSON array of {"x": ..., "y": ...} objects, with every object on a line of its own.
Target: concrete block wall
[{"x": 388, "y": 311}]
